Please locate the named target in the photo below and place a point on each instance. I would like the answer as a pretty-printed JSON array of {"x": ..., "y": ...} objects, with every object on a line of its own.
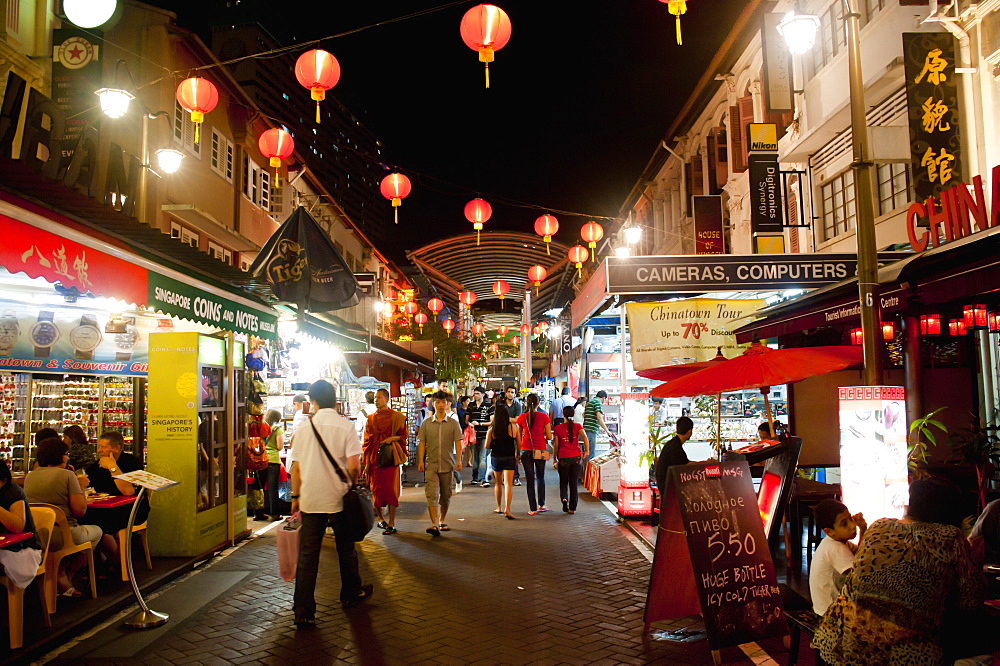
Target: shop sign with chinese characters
[{"x": 933, "y": 111}]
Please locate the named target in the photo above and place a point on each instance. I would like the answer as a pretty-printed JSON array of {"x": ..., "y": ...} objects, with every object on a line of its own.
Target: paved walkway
[{"x": 545, "y": 589}]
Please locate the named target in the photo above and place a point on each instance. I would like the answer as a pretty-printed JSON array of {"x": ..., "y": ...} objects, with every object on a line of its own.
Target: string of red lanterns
[
  {"x": 319, "y": 71},
  {"x": 486, "y": 29},
  {"x": 546, "y": 226},
  {"x": 395, "y": 187}
]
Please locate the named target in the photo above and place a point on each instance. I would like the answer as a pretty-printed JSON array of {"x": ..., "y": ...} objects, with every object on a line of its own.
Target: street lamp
[
  {"x": 89, "y": 13},
  {"x": 797, "y": 32},
  {"x": 633, "y": 235},
  {"x": 115, "y": 104}
]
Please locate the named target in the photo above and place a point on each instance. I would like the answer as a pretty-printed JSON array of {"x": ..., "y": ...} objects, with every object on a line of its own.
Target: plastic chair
[
  {"x": 141, "y": 531},
  {"x": 44, "y": 520},
  {"x": 53, "y": 559}
]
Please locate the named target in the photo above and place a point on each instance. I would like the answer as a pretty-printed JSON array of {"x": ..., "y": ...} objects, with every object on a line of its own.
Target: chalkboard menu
[{"x": 712, "y": 547}]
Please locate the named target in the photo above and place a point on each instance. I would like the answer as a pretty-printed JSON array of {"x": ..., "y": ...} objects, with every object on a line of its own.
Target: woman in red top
[
  {"x": 536, "y": 432},
  {"x": 569, "y": 448}
]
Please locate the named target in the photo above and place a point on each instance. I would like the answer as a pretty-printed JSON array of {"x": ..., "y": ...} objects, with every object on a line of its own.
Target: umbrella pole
[
  {"x": 718, "y": 424},
  {"x": 767, "y": 409}
]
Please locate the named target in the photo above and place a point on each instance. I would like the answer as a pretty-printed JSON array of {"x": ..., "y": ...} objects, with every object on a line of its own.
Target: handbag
[
  {"x": 256, "y": 454},
  {"x": 536, "y": 454},
  {"x": 385, "y": 455},
  {"x": 288, "y": 547},
  {"x": 359, "y": 510}
]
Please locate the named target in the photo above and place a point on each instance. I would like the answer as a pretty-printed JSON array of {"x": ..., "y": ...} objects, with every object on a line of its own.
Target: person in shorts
[
  {"x": 438, "y": 456},
  {"x": 501, "y": 440}
]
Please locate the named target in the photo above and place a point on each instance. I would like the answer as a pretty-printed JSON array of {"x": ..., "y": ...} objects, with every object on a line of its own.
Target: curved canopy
[{"x": 457, "y": 263}]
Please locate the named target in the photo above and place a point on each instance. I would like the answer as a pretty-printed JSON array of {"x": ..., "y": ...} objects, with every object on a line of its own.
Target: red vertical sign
[{"x": 708, "y": 225}]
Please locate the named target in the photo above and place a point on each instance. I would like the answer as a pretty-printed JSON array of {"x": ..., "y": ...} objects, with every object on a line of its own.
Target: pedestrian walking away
[
  {"x": 593, "y": 422},
  {"x": 318, "y": 496},
  {"x": 384, "y": 426},
  {"x": 569, "y": 448},
  {"x": 558, "y": 406},
  {"x": 536, "y": 432},
  {"x": 438, "y": 456},
  {"x": 501, "y": 440},
  {"x": 514, "y": 409},
  {"x": 478, "y": 414}
]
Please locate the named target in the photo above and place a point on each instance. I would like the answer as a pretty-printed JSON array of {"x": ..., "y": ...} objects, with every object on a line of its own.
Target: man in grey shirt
[{"x": 438, "y": 455}]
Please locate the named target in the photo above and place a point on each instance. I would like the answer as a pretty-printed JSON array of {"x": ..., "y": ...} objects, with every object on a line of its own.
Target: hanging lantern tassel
[
  {"x": 318, "y": 94},
  {"x": 396, "y": 203},
  {"x": 548, "y": 247},
  {"x": 478, "y": 226},
  {"x": 486, "y": 57},
  {"x": 579, "y": 269},
  {"x": 276, "y": 163},
  {"x": 197, "y": 117},
  {"x": 677, "y": 7},
  {"x": 593, "y": 251}
]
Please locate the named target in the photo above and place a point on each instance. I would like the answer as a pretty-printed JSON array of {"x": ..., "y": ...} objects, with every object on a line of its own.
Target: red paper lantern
[
  {"x": 388, "y": 310},
  {"x": 503, "y": 330},
  {"x": 544, "y": 325},
  {"x": 592, "y": 232},
  {"x": 974, "y": 317},
  {"x": 197, "y": 96},
  {"x": 319, "y": 71},
  {"x": 467, "y": 297},
  {"x": 888, "y": 330},
  {"x": 395, "y": 187},
  {"x": 421, "y": 319},
  {"x": 478, "y": 211},
  {"x": 537, "y": 330},
  {"x": 411, "y": 308},
  {"x": 994, "y": 319},
  {"x": 495, "y": 348},
  {"x": 546, "y": 226},
  {"x": 478, "y": 329},
  {"x": 956, "y": 327},
  {"x": 276, "y": 145},
  {"x": 930, "y": 324},
  {"x": 577, "y": 255},
  {"x": 536, "y": 274},
  {"x": 485, "y": 28},
  {"x": 515, "y": 341},
  {"x": 501, "y": 288},
  {"x": 448, "y": 325},
  {"x": 857, "y": 336},
  {"x": 525, "y": 329},
  {"x": 435, "y": 305}
]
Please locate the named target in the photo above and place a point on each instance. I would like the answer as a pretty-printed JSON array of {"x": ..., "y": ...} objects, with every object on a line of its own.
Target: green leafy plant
[
  {"x": 708, "y": 405},
  {"x": 922, "y": 434},
  {"x": 974, "y": 445},
  {"x": 659, "y": 434}
]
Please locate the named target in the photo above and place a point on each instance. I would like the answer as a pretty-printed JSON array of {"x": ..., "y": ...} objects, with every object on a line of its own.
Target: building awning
[
  {"x": 344, "y": 338},
  {"x": 956, "y": 271},
  {"x": 396, "y": 355},
  {"x": 40, "y": 246}
]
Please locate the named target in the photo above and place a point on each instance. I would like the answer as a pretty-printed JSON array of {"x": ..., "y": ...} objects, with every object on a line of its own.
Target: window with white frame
[
  {"x": 257, "y": 184},
  {"x": 222, "y": 155},
  {"x": 184, "y": 130},
  {"x": 222, "y": 254},
  {"x": 184, "y": 235},
  {"x": 839, "y": 208},
  {"x": 893, "y": 186},
  {"x": 831, "y": 37}
]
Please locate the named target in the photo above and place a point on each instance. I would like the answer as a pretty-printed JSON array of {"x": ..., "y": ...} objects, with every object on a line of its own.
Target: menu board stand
[
  {"x": 712, "y": 558},
  {"x": 145, "y": 618}
]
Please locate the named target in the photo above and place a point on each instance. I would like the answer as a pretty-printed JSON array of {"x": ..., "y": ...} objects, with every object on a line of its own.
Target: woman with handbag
[
  {"x": 569, "y": 448},
  {"x": 384, "y": 451},
  {"x": 537, "y": 431},
  {"x": 501, "y": 440}
]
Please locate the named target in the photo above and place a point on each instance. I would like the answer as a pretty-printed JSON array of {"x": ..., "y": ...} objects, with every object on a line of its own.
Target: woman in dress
[
  {"x": 267, "y": 478},
  {"x": 385, "y": 425},
  {"x": 536, "y": 429},
  {"x": 501, "y": 440},
  {"x": 908, "y": 575},
  {"x": 569, "y": 448}
]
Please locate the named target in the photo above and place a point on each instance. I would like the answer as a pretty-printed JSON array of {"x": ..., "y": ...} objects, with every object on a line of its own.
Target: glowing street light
[
  {"x": 633, "y": 235},
  {"x": 114, "y": 101},
  {"x": 89, "y": 13},
  {"x": 169, "y": 159},
  {"x": 799, "y": 31}
]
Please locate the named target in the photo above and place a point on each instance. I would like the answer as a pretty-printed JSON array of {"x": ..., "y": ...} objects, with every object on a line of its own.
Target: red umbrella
[
  {"x": 668, "y": 373},
  {"x": 762, "y": 367}
]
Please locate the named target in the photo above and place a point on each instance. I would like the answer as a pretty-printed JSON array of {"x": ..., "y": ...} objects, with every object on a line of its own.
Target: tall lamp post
[
  {"x": 115, "y": 103},
  {"x": 799, "y": 32}
]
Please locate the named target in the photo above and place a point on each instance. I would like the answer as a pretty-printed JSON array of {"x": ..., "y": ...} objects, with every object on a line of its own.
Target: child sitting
[{"x": 835, "y": 554}]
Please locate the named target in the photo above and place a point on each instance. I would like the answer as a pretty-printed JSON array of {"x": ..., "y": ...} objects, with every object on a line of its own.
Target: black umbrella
[{"x": 302, "y": 266}]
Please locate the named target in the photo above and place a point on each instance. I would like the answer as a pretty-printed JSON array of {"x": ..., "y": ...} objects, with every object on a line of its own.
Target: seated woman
[
  {"x": 908, "y": 575},
  {"x": 81, "y": 451},
  {"x": 112, "y": 461},
  {"x": 18, "y": 561},
  {"x": 52, "y": 483}
]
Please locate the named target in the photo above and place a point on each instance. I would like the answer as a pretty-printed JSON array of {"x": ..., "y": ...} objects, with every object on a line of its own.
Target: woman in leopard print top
[{"x": 907, "y": 574}]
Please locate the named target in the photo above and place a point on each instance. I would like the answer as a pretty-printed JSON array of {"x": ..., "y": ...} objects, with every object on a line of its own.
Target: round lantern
[
  {"x": 495, "y": 348},
  {"x": 592, "y": 232},
  {"x": 485, "y": 28},
  {"x": 448, "y": 325},
  {"x": 537, "y": 330},
  {"x": 467, "y": 297},
  {"x": 501, "y": 288},
  {"x": 525, "y": 329},
  {"x": 395, "y": 187},
  {"x": 478, "y": 329},
  {"x": 546, "y": 226},
  {"x": 543, "y": 326},
  {"x": 435, "y": 305},
  {"x": 411, "y": 308},
  {"x": 676, "y": 7},
  {"x": 503, "y": 330},
  {"x": 276, "y": 144},
  {"x": 197, "y": 96},
  {"x": 515, "y": 341},
  {"x": 421, "y": 319},
  {"x": 319, "y": 71},
  {"x": 536, "y": 274},
  {"x": 477, "y": 211},
  {"x": 577, "y": 255}
]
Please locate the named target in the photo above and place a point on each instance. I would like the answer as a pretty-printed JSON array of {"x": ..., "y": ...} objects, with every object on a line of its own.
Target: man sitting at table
[
  {"x": 112, "y": 461},
  {"x": 52, "y": 483}
]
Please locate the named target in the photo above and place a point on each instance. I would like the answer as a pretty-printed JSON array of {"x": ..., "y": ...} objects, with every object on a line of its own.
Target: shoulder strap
[{"x": 340, "y": 472}]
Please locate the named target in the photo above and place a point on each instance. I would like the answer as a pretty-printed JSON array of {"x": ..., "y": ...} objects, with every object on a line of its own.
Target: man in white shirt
[
  {"x": 299, "y": 403},
  {"x": 366, "y": 410},
  {"x": 318, "y": 494}
]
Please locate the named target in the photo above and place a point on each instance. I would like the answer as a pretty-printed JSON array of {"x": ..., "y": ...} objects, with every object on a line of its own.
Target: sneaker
[
  {"x": 543, "y": 509},
  {"x": 517, "y": 482},
  {"x": 485, "y": 484},
  {"x": 458, "y": 487}
]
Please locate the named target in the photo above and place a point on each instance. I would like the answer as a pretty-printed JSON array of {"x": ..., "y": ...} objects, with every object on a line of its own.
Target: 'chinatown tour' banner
[{"x": 686, "y": 331}]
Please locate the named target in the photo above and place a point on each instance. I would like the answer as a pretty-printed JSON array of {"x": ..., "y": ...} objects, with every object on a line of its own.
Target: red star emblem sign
[{"x": 76, "y": 52}]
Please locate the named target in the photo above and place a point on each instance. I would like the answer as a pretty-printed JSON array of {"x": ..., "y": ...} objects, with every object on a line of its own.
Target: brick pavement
[{"x": 546, "y": 589}]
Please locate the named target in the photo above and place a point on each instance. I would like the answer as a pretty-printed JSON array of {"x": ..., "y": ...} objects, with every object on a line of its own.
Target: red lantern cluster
[
  {"x": 485, "y": 28},
  {"x": 395, "y": 187},
  {"x": 197, "y": 96},
  {"x": 319, "y": 71},
  {"x": 546, "y": 226}
]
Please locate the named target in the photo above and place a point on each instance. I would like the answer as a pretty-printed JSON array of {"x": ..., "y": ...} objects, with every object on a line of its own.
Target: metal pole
[
  {"x": 145, "y": 618},
  {"x": 624, "y": 321},
  {"x": 862, "y": 166},
  {"x": 144, "y": 169},
  {"x": 526, "y": 341}
]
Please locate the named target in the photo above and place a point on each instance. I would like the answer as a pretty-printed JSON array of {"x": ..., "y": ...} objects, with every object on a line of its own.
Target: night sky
[{"x": 579, "y": 98}]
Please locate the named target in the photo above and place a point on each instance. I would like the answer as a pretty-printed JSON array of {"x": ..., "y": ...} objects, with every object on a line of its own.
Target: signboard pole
[{"x": 623, "y": 325}]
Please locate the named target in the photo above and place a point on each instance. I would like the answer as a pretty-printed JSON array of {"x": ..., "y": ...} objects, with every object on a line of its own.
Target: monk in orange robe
[{"x": 385, "y": 425}]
